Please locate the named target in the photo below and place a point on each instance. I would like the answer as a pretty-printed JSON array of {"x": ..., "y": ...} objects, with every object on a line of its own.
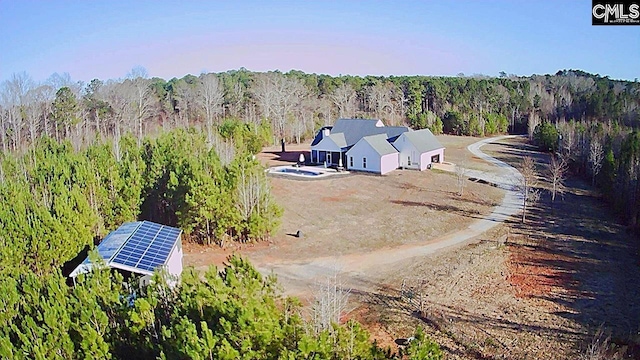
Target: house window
[
  {"x": 408, "y": 160},
  {"x": 364, "y": 162},
  {"x": 350, "y": 161}
]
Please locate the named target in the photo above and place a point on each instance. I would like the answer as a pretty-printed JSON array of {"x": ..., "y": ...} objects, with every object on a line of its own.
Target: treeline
[
  {"x": 605, "y": 153},
  {"x": 230, "y": 314},
  {"x": 56, "y": 200},
  {"x": 294, "y": 105}
]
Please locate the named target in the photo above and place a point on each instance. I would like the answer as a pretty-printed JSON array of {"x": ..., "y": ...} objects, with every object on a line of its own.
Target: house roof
[
  {"x": 423, "y": 140},
  {"x": 380, "y": 144},
  {"x": 139, "y": 247},
  {"x": 356, "y": 129},
  {"x": 333, "y": 142},
  {"x": 339, "y": 139}
]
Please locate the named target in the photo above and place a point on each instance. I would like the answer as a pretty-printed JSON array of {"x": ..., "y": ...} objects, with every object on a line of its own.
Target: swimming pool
[{"x": 297, "y": 172}]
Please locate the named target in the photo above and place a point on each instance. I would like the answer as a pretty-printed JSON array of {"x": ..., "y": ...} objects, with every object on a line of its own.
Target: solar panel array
[{"x": 148, "y": 247}]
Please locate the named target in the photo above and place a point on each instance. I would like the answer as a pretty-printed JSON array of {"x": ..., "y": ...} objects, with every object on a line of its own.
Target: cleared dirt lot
[
  {"x": 360, "y": 212},
  {"x": 541, "y": 294}
]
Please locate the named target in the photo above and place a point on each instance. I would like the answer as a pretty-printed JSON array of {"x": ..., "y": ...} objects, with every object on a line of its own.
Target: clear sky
[{"x": 106, "y": 39}]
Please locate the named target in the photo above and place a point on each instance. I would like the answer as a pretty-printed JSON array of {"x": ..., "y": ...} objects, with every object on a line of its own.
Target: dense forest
[
  {"x": 56, "y": 200},
  {"x": 234, "y": 313},
  {"x": 295, "y": 104}
]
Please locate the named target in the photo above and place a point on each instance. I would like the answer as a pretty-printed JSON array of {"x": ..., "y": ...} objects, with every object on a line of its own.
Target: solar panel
[
  {"x": 112, "y": 242},
  {"x": 148, "y": 247}
]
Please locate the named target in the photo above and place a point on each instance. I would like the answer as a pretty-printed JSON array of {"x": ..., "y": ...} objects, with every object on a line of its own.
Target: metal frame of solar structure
[{"x": 139, "y": 247}]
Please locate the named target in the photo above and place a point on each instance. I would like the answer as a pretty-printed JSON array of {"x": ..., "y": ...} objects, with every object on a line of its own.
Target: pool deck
[{"x": 321, "y": 170}]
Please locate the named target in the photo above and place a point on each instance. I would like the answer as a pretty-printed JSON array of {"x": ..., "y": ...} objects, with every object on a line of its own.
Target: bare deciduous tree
[
  {"x": 210, "y": 99},
  {"x": 380, "y": 98},
  {"x": 235, "y": 98},
  {"x": 461, "y": 177},
  {"x": 556, "y": 172},
  {"x": 14, "y": 95},
  {"x": 142, "y": 103},
  {"x": 325, "y": 110},
  {"x": 4, "y": 115},
  {"x": 36, "y": 110},
  {"x": 277, "y": 96},
  {"x": 568, "y": 141},
  {"x": 526, "y": 184},
  {"x": 596, "y": 156},
  {"x": 416, "y": 291},
  {"x": 225, "y": 149},
  {"x": 115, "y": 95},
  {"x": 330, "y": 301},
  {"x": 533, "y": 122},
  {"x": 185, "y": 102},
  {"x": 252, "y": 195},
  {"x": 344, "y": 97}
]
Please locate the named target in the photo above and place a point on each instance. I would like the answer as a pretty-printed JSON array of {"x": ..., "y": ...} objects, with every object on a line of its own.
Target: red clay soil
[
  {"x": 370, "y": 321},
  {"x": 531, "y": 277}
]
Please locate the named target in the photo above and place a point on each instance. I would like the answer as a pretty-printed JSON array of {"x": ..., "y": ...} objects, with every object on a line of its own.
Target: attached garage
[{"x": 418, "y": 149}]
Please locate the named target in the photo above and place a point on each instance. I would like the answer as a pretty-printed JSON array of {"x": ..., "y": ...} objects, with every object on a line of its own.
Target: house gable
[
  {"x": 333, "y": 142},
  {"x": 373, "y": 154},
  {"x": 380, "y": 144},
  {"x": 423, "y": 140}
]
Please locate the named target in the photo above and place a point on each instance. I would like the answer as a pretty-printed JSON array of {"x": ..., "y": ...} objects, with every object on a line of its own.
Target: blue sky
[{"x": 106, "y": 39}]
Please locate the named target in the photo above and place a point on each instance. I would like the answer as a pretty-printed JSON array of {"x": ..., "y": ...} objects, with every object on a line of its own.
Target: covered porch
[{"x": 330, "y": 157}]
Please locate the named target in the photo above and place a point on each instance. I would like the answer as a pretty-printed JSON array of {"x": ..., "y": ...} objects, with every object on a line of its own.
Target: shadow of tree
[
  {"x": 592, "y": 259},
  {"x": 439, "y": 207}
]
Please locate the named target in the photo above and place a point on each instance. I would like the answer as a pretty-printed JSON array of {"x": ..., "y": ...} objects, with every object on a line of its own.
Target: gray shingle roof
[
  {"x": 380, "y": 144},
  {"x": 339, "y": 139},
  {"x": 356, "y": 129},
  {"x": 423, "y": 140}
]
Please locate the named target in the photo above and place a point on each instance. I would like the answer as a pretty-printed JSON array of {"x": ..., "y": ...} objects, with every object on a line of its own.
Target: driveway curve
[{"x": 307, "y": 271}]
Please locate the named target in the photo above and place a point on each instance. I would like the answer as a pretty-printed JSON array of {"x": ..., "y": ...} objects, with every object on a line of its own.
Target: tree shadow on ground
[
  {"x": 439, "y": 207},
  {"x": 592, "y": 259},
  {"x": 444, "y": 319},
  {"x": 290, "y": 156}
]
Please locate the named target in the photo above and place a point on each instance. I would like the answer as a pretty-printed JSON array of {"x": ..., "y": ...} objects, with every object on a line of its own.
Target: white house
[
  {"x": 373, "y": 154},
  {"x": 140, "y": 247},
  {"x": 332, "y": 142},
  {"x": 418, "y": 149},
  {"x": 368, "y": 145}
]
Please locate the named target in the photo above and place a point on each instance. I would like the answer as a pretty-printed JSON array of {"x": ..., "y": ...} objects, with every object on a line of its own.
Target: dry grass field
[
  {"x": 534, "y": 291},
  {"x": 361, "y": 212}
]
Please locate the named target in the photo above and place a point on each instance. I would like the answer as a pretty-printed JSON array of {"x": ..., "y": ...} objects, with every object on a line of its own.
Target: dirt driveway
[{"x": 371, "y": 259}]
